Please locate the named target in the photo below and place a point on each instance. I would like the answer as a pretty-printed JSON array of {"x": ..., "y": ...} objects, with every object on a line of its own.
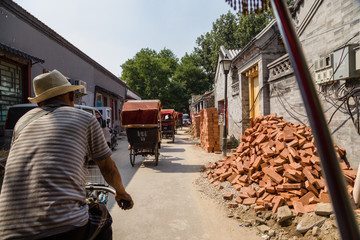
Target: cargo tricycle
[
  {"x": 168, "y": 126},
  {"x": 142, "y": 119}
]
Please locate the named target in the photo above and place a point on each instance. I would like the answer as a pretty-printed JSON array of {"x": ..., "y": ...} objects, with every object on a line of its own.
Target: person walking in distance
[{"x": 43, "y": 193}]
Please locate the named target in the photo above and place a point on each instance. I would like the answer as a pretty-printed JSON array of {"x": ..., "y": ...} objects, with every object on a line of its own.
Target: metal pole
[
  {"x": 225, "y": 120},
  {"x": 334, "y": 178}
]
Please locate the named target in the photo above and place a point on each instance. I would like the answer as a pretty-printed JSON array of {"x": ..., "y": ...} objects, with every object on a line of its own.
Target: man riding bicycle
[{"x": 43, "y": 193}]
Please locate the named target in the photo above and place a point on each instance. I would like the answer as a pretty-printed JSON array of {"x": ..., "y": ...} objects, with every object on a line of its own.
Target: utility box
[
  {"x": 357, "y": 58},
  {"x": 345, "y": 62}
]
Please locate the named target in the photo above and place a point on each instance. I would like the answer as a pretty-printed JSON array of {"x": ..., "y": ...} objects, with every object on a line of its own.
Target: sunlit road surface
[{"x": 167, "y": 203}]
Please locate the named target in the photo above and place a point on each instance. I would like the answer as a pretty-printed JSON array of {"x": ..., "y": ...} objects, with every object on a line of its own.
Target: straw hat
[{"x": 51, "y": 84}]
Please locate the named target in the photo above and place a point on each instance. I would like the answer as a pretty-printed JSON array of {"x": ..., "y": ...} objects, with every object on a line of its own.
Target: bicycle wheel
[
  {"x": 132, "y": 157},
  {"x": 156, "y": 154}
]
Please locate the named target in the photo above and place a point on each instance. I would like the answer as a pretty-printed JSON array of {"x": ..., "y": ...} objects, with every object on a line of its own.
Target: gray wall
[
  {"x": 265, "y": 48},
  {"x": 31, "y": 36},
  {"x": 333, "y": 25}
]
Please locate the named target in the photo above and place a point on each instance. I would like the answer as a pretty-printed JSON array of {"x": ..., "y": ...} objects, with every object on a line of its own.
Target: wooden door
[{"x": 254, "y": 103}]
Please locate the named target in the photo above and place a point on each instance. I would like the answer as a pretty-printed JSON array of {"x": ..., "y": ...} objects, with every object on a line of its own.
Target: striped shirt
[{"x": 43, "y": 191}]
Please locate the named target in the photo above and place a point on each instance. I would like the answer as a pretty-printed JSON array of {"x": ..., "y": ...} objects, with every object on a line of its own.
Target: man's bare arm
[{"x": 112, "y": 177}]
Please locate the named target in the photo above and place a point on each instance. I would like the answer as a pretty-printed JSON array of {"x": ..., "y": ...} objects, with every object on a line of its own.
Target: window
[
  {"x": 11, "y": 88},
  {"x": 98, "y": 100}
]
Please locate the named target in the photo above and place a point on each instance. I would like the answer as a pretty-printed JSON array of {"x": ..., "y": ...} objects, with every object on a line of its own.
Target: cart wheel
[
  {"x": 156, "y": 154},
  {"x": 132, "y": 157}
]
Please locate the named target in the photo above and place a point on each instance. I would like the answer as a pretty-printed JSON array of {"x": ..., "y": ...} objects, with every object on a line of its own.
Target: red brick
[
  {"x": 278, "y": 202},
  {"x": 274, "y": 176},
  {"x": 257, "y": 162},
  {"x": 296, "y": 166},
  {"x": 260, "y": 192},
  {"x": 309, "y": 176},
  {"x": 311, "y": 188},
  {"x": 293, "y": 143},
  {"x": 251, "y": 192},
  {"x": 233, "y": 205},
  {"x": 243, "y": 178},
  {"x": 291, "y": 186},
  {"x": 225, "y": 175},
  {"x": 269, "y": 198},
  {"x": 259, "y": 208},
  {"x": 324, "y": 197},
  {"x": 308, "y": 145},
  {"x": 299, "y": 193},
  {"x": 243, "y": 195},
  {"x": 306, "y": 198},
  {"x": 314, "y": 200},
  {"x": 298, "y": 207},
  {"x": 291, "y": 177},
  {"x": 310, "y": 208},
  {"x": 228, "y": 196},
  {"x": 234, "y": 177},
  {"x": 287, "y": 195},
  {"x": 220, "y": 171},
  {"x": 320, "y": 183},
  {"x": 237, "y": 187},
  {"x": 293, "y": 153},
  {"x": 270, "y": 189},
  {"x": 239, "y": 200},
  {"x": 284, "y": 154},
  {"x": 249, "y": 201}
]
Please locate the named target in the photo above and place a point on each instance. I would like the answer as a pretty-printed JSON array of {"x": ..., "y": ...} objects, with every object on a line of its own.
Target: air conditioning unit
[{"x": 80, "y": 82}]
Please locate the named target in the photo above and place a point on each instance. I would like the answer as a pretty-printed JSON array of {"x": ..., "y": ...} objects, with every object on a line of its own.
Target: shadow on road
[
  {"x": 171, "y": 149},
  {"x": 170, "y": 164}
]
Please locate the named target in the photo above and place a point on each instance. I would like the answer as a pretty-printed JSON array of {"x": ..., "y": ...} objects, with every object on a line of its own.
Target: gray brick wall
[{"x": 333, "y": 25}]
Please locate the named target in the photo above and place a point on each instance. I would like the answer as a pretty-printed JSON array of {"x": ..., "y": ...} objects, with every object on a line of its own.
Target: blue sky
[{"x": 113, "y": 31}]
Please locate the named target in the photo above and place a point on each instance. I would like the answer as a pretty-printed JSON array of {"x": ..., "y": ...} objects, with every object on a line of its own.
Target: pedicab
[
  {"x": 168, "y": 124},
  {"x": 179, "y": 120},
  {"x": 142, "y": 118}
]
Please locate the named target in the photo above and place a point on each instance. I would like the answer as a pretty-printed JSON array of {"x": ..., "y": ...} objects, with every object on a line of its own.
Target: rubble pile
[
  {"x": 276, "y": 164},
  {"x": 209, "y": 130}
]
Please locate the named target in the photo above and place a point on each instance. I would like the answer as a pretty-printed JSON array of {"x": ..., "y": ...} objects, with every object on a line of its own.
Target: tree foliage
[
  {"x": 161, "y": 76},
  {"x": 191, "y": 75},
  {"x": 233, "y": 32},
  {"x": 149, "y": 72}
]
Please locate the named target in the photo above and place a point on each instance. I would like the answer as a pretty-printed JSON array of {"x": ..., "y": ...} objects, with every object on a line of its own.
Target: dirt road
[{"x": 167, "y": 204}]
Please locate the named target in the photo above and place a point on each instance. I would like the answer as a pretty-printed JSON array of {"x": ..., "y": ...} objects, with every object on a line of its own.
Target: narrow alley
[{"x": 167, "y": 202}]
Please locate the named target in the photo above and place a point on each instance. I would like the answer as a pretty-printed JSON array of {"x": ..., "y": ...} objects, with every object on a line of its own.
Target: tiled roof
[{"x": 21, "y": 54}]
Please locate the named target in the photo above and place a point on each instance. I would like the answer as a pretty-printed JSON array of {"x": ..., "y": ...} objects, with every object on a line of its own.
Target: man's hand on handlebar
[{"x": 124, "y": 201}]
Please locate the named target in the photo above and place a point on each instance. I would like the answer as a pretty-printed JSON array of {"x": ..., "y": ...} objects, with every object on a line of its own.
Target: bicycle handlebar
[{"x": 93, "y": 187}]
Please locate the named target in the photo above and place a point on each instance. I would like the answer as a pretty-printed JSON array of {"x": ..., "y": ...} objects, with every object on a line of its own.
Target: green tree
[
  {"x": 191, "y": 75},
  {"x": 250, "y": 25},
  {"x": 149, "y": 72},
  {"x": 208, "y": 45},
  {"x": 176, "y": 98}
]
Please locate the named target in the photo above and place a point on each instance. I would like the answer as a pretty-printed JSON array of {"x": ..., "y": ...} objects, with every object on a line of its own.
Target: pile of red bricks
[
  {"x": 196, "y": 124},
  {"x": 276, "y": 164},
  {"x": 209, "y": 130}
]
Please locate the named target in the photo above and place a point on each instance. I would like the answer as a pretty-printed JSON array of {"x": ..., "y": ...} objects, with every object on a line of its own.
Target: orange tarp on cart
[{"x": 141, "y": 112}]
